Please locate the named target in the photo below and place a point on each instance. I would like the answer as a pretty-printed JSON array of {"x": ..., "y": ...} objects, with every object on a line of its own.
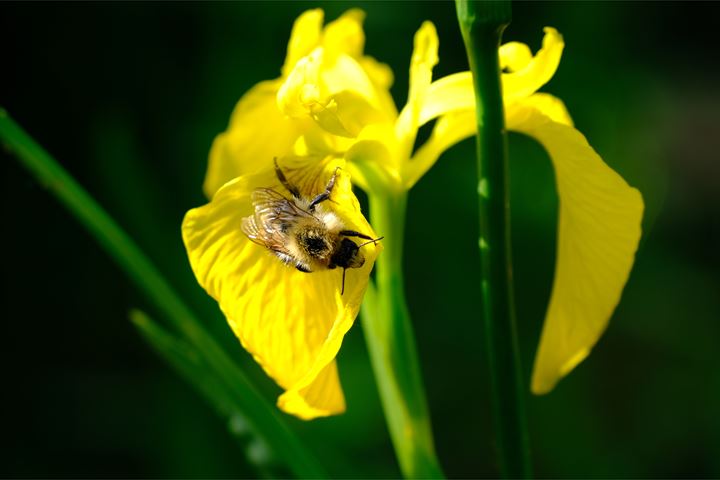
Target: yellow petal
[
  {"x": 301, "y": 88},
  {"x": 536, "y": 72},
  {"x": 598, "y": 233},
  {"x": 452, "y": 97},
  {"x": 449, "y": 130},
  {"x": 550, "y": 106},
  {"x": 257, "y": 133},
  {"x": 305, "y": 36},
  {"x": 514, "y": 56},
  {"x": 424, "y": 58},
  {"x": 525, "y": 75},
  {"x": 448, "y": 94},
  {"x": 334, "y": 92},
  {"x": 291, "y": 322},
  {"x": 373, "y": 159},
  {"x": 379, "y": 73},
  {"x": 381, "y": 76},
  {"x": 345, "y": 35}
]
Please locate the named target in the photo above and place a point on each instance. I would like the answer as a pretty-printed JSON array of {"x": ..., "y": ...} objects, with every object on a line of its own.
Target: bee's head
[{"x": 347, "y": 255}]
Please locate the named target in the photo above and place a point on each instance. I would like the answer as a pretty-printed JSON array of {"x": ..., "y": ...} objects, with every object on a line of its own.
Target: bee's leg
[
  {"x": 353, "y": 233},
  {"x": 302, "y": 268},
  {"x": 326, "y": 194},
  {"x": 281, "y": 176}
]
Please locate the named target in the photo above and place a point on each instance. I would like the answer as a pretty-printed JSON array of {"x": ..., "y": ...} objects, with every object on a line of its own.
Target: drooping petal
[
  {"x": 291, "y": 322},
  {"x": 550, "y": 106},
  {"x": 535, "y": 73},
  {"x": 305, "y": 36},
  {"x": 258, "y": 131},
  {"x": 598, "y": 234},
  {"x": 424, "y": 58}
]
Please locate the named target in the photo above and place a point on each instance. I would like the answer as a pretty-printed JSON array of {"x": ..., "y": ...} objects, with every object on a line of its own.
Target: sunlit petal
[
  {"x": 525, "y": 74},
  {"x": 598, "y": 234},
  {"x": 449, "y": 130},
  {"x": 373, "y": 159},
  {"x": 514, "y": 56},
  {"x": 291, "y": 322},
  {"x": 305, "y": 36},
  {"x": 448, "y": 94},
  {"x": 381, "y": 76},
  {"x": 335, "y": 92},
  {"x": 257, "y": 133},
  {"x": 424, "y": 59},
  {"x": 550, "y": 106},
  {"x": 345, "y": 35},
  {"x": 537, "y": 72}
]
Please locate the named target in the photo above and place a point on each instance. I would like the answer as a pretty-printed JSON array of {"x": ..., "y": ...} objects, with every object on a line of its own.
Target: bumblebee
[{"x": 301, "y": 232}]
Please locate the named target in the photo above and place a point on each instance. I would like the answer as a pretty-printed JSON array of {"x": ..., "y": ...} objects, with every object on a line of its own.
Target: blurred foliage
[{"x": 129, "y": 97}]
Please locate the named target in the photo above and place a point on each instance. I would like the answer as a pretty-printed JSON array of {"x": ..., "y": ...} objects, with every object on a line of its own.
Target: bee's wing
[
  {"x": 276, "y": 207},
  {"x": 250, "y": 228},
  {"x": 274, "y": 215}
]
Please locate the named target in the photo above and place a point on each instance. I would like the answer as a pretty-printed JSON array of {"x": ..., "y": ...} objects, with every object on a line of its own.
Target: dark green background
[{"x": 129, "y": 97}]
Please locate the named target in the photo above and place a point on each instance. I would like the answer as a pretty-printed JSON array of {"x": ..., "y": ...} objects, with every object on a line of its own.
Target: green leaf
[
  {"x": 190, "y": 365},
  {"x": 263, "y": 416}
]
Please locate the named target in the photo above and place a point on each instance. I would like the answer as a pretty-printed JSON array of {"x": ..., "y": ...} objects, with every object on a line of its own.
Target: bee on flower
[{"x": 331, "y": 122}]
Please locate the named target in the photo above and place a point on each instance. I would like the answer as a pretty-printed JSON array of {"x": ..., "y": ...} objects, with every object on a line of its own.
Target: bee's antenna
[
  {"x": 342, "y": 292},
  {"x": 281, "y": 177},
  {"x": 371, "y": 241}
]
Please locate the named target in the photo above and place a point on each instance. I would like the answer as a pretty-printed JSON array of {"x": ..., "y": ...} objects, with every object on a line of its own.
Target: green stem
[
  {"x": 144, "y": 274},
  {"x": 482, "y": 25},
  {"x": 389, "y": 335}
]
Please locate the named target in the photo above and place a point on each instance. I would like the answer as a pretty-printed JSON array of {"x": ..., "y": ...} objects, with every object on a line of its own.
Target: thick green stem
[
  {"x": 391, "y": 342},
  {"x": 143, "y": 273},
  {"x": 482, "y": 24}
]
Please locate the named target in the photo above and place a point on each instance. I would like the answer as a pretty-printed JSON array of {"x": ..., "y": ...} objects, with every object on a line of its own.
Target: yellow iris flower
[
  {"x": 291, "y": 322},
  {"x": 332, "y": 107}
]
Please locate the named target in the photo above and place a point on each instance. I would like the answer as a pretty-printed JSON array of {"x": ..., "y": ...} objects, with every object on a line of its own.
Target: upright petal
[
  {"x": 424, "y": 58},
  {"x": 291, "y": 322},
  {"x": 345, "y": 35},
  {"x": 514, "y": 56},
  {"x": 535, "y": 73},
  {"x": 523, "y": 75},
  {"x": 258, "y": 131},
  {"x": 332, "y": 90},
  {"x": 598, "y": 234},
  {"x": 381, "y": 76},
  {"x": 305, "y": 36}
]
